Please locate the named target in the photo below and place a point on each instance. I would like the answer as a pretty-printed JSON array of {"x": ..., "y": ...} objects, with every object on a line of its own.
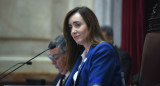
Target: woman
[{"x": 92, "y": 61}]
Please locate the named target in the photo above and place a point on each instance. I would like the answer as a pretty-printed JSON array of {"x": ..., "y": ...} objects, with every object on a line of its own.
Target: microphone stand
[{"x": 27, "y": 62}]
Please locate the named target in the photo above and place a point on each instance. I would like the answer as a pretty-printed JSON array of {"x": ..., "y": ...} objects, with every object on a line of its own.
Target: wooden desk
[{"x": 20, "y": 78}]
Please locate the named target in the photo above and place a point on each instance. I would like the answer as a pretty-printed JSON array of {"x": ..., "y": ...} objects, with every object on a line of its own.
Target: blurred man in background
[{"x": 124, "y": 56}]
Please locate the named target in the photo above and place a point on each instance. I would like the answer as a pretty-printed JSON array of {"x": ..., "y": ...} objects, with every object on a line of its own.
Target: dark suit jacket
[
  {"x": 57, "y": 79},
  {"x": 100, "y": 66},
  {"x": 125, "y": 63}
]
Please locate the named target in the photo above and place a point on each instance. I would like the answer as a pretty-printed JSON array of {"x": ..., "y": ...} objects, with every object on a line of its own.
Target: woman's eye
[
  {"x": 70, "y": 27},
  {"x": 77, "y": 25}
]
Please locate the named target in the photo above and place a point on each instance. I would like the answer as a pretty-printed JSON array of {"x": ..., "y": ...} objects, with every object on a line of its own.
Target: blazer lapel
[
  {"x": 84, "y": 61},
  {"x": 69, "y": 81},
  {"x": 82, "y": 65}
]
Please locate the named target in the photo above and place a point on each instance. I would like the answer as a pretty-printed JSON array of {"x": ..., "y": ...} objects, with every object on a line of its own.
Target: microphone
[
  {"x": 51, "y": 46},
  {"x": 21, "y": 64},
  {"x": 28, "y": 63}
]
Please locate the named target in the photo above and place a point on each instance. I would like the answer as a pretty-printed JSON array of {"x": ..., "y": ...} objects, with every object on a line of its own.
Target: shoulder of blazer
[{"x": 102, "y": 45}]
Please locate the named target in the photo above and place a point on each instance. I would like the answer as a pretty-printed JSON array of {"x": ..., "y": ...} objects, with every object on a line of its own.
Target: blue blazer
[{"x": 101, "y": 66}]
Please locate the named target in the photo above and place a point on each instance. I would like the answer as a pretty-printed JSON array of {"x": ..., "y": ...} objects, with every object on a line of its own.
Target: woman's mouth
[{"x": 76, "y": 37}]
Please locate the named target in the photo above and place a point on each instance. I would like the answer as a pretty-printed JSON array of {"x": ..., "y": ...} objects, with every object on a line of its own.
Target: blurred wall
[
  {"x": 26, "y": 28},
  {"x": 108, "y": 13}
]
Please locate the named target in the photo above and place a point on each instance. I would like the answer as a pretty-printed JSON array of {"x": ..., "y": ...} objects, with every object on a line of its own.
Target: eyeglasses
[{"x": 55, "y": 57}]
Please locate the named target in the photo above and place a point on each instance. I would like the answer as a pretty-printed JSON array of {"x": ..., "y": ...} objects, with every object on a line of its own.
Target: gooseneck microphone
[
  {"x": 28, "y": 63},
  {"x": 23, "y": 63},
  {"x": 51, "y": 45}
]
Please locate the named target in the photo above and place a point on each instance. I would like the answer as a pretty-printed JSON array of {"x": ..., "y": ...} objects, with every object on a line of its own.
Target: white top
[{"x": 76, "y": 73}]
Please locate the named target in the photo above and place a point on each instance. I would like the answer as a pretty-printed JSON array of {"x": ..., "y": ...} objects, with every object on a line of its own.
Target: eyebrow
[{"x": 76, "y": 22}]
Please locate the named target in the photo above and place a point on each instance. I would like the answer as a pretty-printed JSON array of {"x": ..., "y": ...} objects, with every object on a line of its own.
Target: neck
[{"x": 87, "y": 46}]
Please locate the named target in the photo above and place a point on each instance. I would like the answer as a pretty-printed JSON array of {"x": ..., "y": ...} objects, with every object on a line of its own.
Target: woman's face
[{"x": 79, "y": 29}]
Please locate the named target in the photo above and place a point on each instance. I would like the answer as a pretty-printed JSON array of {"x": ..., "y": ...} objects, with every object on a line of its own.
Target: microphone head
[
  {"x": 51, "y": 45},
  {"x": 57, "y": 42},
  {"x": 29, "y": 63}
]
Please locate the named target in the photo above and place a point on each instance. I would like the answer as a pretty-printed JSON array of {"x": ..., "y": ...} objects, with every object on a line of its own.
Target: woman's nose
[{"x": 73, "y": 30}]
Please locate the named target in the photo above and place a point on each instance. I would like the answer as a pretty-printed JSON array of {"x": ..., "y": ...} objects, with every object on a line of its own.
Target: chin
[{"x": 79, "y": 43}]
